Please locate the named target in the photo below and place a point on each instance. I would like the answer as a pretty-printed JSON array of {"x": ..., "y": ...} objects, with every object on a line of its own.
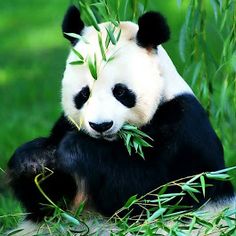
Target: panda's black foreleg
[
  {"x": 32, "y": 159},
  {"x": 38, "y": 157}
]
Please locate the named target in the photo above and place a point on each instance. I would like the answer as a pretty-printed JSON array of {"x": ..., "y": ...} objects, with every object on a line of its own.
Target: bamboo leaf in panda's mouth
[{"x": 134, "y": 139}]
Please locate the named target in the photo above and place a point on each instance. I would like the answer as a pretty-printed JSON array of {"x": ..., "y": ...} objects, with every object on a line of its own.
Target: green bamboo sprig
[
  {"x": 159, "y": 212},
  {"x": 59, "y": 213},
  {"x": 86, "y": 8},
  {"x": 92, "y": 62},
  {"x": 134, "y": 139},
  {"x": 81, "y": 60}
]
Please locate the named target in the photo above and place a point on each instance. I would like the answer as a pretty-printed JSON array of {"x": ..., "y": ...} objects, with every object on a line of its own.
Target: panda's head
[{"x": 129, "y": 87}]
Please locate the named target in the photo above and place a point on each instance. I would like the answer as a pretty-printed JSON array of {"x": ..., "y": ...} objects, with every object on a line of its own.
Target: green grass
[{"x": 33, "y": 54}]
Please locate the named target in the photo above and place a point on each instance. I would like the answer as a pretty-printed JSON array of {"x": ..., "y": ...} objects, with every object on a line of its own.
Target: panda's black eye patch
[
  {"x": 81, "y": 98},
  {"x": 124, "y": 95}
]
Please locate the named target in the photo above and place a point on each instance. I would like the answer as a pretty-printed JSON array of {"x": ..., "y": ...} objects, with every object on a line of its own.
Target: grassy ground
[{"x": 33, "y": 54}]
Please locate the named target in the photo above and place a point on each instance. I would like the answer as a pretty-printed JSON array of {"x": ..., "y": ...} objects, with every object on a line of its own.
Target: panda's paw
[
  {"x": 31, "y": 158},
  {"x": 31, "y": 166}
]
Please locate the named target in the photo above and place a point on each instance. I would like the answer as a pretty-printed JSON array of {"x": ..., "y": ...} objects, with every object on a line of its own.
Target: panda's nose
[{"x": 101, "y": 127}]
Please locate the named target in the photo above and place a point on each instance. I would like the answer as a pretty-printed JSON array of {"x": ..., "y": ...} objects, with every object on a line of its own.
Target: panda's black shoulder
[
  {"x": 176, "y": 113},
  {"x": 181, "y": 125},
  {"x": 190, "y": 118},
  {"x": 179, "y": 108}
]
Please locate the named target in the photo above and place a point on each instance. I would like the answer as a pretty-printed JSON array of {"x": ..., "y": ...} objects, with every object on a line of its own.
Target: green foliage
[
  {"x": 160, "y": 207},
  {"x": 134, "y": 138},
  {"x": 159, "y": 217},
  {"x": 209, "y": 63}
]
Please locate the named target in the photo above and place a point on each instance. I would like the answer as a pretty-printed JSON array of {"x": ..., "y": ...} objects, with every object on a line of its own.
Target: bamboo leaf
[
  {"x": 91, "y": 16},
  {"x": 111, "y": 58},
  {"x": 131, "y": 201},
  {"x": 70, "y": 218},
  {"x": 156, "y": 214},
  {"x": 93, "y": 67},
  {"x": 114, "y": 22},
  {"x": 76, "y": 63},
  {"x": 187, "y": 188},
  {"x": 140, "y": 151},
  {"x": 129, "y": 127},
  {"x": 218, "y": 176},
  {"x": 127, "y": 141},
  {"x": 171, "y": 195},
  {"x": 135, "y": 146},
  {"x": 204, "y": 223},
  {"x": 143, "y": 143},
  {"x": 77, "y": 54},
  {"x": 163, "y": 189},
  {"x": 203, "y": 184},
  {"x": 182, "y": 42},
  {"x": 129, "y": 149},
  {"x": 15, "y": 232},
  {"x": 77, "y": 36},
  {"x": 223, "y": 170},
  {"x": 193, "y": 179},
  {"x": 192, "y": 224},
  {"x": 102, "y": 11},
  {"x": 80, "y": 209},
  {"x": 110, "y": 33},
  {"x": 118, "y": 36},
  {"x": 102, "y": 50},
  {"x": 178, "y": 213},
  {"x": 193, "y": 196},
  {"x": 196, "y": 73}
]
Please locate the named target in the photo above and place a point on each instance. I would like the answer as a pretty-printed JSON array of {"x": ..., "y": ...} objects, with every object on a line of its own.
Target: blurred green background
[{"x": 33, "y": 54}]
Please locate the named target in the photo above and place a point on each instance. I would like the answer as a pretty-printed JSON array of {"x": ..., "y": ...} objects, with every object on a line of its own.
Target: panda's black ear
[
  {"x": 153, "y": 30},
  {"x": 72, "y": 23}
]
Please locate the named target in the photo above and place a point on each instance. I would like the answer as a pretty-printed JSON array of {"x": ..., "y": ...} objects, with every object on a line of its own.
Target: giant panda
[{"x": 140, "y": 86}]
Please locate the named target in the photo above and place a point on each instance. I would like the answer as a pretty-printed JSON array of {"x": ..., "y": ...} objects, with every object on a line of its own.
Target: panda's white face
[{"x": 128, "y": 88}]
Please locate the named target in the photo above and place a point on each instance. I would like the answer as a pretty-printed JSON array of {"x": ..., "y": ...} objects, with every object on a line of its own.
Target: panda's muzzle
[{"x": 101, "y": 127}]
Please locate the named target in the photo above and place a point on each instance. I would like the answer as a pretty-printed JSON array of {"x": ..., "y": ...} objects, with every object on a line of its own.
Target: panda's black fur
[{"x": 184, "y": 144}]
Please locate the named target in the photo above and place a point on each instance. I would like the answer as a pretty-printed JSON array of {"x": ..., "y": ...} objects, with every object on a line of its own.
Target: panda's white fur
[{"x": 152, "y": 76}]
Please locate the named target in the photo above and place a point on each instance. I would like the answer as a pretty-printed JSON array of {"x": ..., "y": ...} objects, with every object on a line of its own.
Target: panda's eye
[
  {"x": 119, "y": 91},
  {"x": 124, "y": 95},
  {"x": 81, "y": 98},
  {"x": 85, "y": 92}
]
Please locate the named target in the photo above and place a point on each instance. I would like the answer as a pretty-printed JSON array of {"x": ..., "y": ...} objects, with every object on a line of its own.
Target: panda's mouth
[{"x": 109, "y": 137}]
